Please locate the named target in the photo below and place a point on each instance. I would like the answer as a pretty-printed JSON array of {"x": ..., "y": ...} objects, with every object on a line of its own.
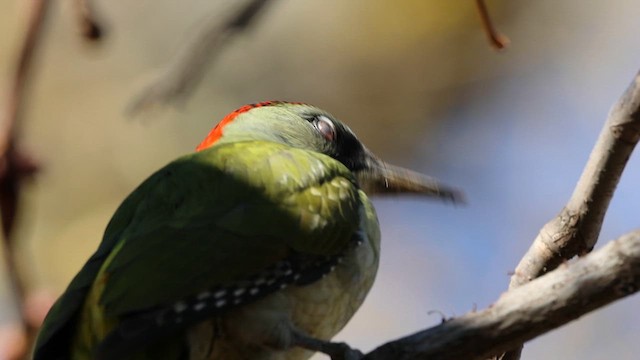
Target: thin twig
[
  {"x": 14, "y": 164},
  {"x": 575, "y": 230},
  {"x": 522, "y": 314},
  {"x": 187, "y": 71},
  {"x": 37, "y": 13},
  {"x": 496, "y": 39},
  {"x": 89, "y": 26}
]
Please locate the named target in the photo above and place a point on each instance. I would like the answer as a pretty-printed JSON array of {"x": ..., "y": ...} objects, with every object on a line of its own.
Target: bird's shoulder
[{"x": 222, "y": 215}]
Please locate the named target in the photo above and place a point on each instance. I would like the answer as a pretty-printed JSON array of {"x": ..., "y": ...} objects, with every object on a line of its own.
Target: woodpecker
[{"x": 262, "y": 244}]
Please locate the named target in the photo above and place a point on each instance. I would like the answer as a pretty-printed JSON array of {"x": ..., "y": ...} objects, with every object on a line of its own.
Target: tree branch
[
  {"x": 575, "y": 230},
  {"x": 89, "y": 26},
  {"x": 16, "y": 165},
  {"x": 496, "y": 39},
  {"x": 13, "y": 164},
  {"x": 521, "y": 314},
  {"x": 187, "y": 71}
]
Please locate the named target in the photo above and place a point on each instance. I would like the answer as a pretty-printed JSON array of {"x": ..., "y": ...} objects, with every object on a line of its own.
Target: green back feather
[{"x": 211, "y": 218}]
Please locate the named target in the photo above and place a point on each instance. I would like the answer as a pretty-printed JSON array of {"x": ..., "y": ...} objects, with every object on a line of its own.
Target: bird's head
[{"x": 308, "y": 127}]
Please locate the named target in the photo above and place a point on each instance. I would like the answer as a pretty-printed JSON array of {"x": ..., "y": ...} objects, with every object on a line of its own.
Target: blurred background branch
[
  {"x": 16, "y": 165},
  {"x": 90, "y": 27},
  {"x": 182, "y": 77},
  {"x": 496, "y": 39}
]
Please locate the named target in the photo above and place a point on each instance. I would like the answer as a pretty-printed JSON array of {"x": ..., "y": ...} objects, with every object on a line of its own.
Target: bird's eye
[{"x": 325, "y": 127}]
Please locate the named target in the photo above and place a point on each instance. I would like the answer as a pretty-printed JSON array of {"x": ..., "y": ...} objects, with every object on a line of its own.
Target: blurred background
[{"x": 415, "y": 79}]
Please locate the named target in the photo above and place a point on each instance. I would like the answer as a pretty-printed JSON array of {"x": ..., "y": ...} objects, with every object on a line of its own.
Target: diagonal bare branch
[
  {"x": 521, "y": 314},
  {"x": 575, "y": 230}
]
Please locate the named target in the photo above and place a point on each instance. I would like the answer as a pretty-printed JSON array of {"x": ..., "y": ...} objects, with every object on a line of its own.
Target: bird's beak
[{"x": 380, "y": 178}]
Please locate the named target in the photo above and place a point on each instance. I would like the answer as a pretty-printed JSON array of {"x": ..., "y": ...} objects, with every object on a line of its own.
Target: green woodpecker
[{"x": 260, "y": 245}]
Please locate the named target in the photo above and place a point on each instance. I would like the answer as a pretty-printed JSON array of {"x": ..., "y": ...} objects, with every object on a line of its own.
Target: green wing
[
  {"x": 212, "y": 222},
  {"x": 57, "y": 331}
]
